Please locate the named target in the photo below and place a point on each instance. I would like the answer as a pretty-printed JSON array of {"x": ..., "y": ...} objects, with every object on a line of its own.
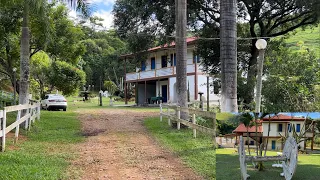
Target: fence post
[
  {"x": 168, "y": 113},
  {"x": 160, "y": 111},
  {"x": 30, "y": 118},
  {"x": 16, "y": 135},
  {"x": 26, "y": 124},
  {"x": 4, "y": 122},
  {"x": 214, "y": 131},
  {"x": 38, "y": 111},
  {"x": 178, "y": 116},
  {"x": 194, "y": 122}
]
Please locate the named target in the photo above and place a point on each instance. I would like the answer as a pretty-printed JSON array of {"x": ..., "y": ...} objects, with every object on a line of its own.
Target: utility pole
[{"x": 181, "y": 51}]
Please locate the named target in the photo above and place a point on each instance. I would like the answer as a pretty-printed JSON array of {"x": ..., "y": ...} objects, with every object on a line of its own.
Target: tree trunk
[
  {"x": 24, "y": 57},
  {"x": 228, "y": 55},
  {"x": 181, "y": 50},
  {"x": 252, "y": 73},
  {"x": 248, "y": 140}
]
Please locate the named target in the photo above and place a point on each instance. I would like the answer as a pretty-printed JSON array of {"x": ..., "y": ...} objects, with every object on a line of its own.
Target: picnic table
[{"x": 155, "y": 100}]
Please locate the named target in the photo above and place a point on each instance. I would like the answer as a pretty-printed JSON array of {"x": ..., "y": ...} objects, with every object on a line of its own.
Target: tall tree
[
  {"x": 39, "y": 6},
  {"x": 228, "y": 55},
  {"x": 181, "y": 51},
  {"x": 263, "y": 18}
]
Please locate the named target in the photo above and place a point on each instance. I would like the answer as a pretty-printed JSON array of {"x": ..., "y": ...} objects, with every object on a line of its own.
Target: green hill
[{"x": 309, "y": 36}]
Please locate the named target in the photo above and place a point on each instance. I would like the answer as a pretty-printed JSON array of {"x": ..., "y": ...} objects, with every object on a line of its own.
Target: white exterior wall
[
  {"x": 274, "y": 128},
  {"x": 202, "y": 87},
  {"x": 173, "y": 81},
  {"x": 167, "y": 53},
  {"x": 274, "y": 132},
  {"x": 159, "y": 86}
]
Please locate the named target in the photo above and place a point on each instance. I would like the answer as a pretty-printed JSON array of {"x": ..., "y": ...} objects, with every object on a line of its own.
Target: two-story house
[
  {"x": 279, "y": 125},
  {"x": 157, "y": 75}
]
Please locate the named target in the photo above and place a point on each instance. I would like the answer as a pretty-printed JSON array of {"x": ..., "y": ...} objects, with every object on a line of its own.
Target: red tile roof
[
  {"x": 282, "y": 117},
  {"x": 172, "y": 44},
  {"x": 242, "y": 129}
]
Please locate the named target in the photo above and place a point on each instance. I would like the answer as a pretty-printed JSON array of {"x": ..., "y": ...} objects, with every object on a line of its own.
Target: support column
[
  {"x": 195, "y": 80},
  {"x": 312, "y": 141},
  {"x": 125, "y": 81},
  {"x": 145, "y": 92},
  {"x": 208, "y": 93}
]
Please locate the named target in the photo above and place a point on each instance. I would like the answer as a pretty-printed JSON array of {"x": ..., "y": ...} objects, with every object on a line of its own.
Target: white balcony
[{"x": 163, "y": 72}]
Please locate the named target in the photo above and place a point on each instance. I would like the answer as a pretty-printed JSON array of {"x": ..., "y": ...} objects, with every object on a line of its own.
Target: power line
[{"x": 199, "y": 38}]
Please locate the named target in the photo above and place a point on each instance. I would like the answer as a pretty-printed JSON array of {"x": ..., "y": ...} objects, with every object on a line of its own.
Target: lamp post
[
  {"x": 14, "y": 85},
  {"x": 261, "y": 45}
]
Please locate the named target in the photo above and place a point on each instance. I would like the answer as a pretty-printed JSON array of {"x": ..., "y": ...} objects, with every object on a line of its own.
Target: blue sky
[
  {"x": 313, "y": 115},
  {"x": 102, "y": 9}
]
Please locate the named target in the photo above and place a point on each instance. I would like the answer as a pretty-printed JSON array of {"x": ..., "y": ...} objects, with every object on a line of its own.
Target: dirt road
[{"x": 119, "y": 147}]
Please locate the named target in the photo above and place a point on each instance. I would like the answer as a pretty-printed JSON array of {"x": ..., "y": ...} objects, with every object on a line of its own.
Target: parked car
[{"x": 54, "y": 101}]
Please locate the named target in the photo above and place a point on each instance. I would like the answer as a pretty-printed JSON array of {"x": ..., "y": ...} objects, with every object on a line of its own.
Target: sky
[{"x": 102, "y": 9}]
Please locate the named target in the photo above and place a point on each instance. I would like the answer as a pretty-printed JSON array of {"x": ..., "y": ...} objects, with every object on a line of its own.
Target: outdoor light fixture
[{"x": 261, "y": 45}]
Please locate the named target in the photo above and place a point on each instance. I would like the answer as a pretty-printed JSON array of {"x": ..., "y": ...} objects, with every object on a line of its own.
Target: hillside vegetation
[{"x": 310, "y": 37}]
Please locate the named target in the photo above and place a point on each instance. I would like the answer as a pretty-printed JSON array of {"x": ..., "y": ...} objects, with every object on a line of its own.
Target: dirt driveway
[{"x": 119, "y": 147}]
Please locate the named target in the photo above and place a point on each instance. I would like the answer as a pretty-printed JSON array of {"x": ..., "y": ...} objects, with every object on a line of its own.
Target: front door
[
  {"x": 164, "y": 93},
  {"x": 273, "y": 145}
]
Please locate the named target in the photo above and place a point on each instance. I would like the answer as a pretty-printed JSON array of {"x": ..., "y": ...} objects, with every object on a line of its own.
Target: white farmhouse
[{"x": 156, "y": 77}]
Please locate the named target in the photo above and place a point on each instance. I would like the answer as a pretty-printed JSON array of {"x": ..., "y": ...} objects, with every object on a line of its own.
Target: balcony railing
[{"x": 163, "y": 72}]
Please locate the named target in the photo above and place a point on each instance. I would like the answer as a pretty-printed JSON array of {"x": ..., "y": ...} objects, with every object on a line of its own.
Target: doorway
[
  {"x": 164, "y": 90},
  {"x": 273, "y": 145}
]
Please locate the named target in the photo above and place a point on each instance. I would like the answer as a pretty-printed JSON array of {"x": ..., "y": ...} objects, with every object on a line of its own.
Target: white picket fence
[{"x": 32, "y": 113}]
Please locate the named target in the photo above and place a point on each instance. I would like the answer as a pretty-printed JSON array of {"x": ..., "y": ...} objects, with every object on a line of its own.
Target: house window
[
  {"x": 289, "y": 127},
  {"x": 143, "y": 66},
  {"x": 279, "y": 127},
  {"x": 175, "y": 59},
  {"x": 298, "y": 127},
  {"x": 153, "y": 63},
  {"x": 171, "y": 60},
  {"x": 164, "y": 61},
  {"x": 196, "y": 58}
]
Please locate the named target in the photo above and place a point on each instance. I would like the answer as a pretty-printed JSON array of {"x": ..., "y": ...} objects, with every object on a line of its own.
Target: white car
[{"x": 54, "y": 101}]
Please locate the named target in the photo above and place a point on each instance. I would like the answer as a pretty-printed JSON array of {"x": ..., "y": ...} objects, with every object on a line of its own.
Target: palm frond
[{"x": 81, "y": 6}]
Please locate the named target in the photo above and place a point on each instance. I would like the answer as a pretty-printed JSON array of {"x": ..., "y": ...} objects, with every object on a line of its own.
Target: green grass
[
  {"x": 228, "y": 167},
  {"x": 45, "y": 154},
  {"x": 94, "y": 105},
  {"x": 196, "y": 153},
  {"x": 310, "y": 37},
  {"x": 223, "y": 116}
]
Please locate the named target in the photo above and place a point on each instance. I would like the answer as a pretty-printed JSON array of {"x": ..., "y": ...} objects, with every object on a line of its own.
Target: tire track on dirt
[{"x": 119, "y": 147}]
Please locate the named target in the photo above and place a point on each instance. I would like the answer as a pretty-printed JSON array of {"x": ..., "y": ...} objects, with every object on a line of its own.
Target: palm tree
[
  {"x": 228, "y": 55},
  {"x": 39, "y": 6},
  {"x": 181, "y": 51},
  {"x": 246, "y": 120}
]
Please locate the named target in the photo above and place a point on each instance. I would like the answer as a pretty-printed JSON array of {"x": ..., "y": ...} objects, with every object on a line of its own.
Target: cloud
[
  {"x": 107, "y": 17},
  {"x": 101, "y": 9},
  {"x": 105, "y": 2}
]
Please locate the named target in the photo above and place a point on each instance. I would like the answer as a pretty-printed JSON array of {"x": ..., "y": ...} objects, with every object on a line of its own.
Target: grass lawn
[
  {"x": 228, "y": 167},
  {"x": 42, "y": 153},
  {"x": 196, "y": 153}
]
